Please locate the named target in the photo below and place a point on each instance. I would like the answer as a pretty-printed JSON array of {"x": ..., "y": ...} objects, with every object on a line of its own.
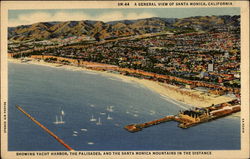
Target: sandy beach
[{"x": 190, "y": 97}]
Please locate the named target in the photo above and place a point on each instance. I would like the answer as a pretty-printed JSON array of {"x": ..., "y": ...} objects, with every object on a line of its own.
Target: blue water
[{"x": 45, "y": 91}]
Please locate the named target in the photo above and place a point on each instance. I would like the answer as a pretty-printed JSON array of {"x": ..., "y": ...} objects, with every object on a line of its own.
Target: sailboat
[
  {"x": 110, "y": 108},
  {"x": 152, "y": 112},
  {"x": 92, "y": 118},
  {"x": 62, "y": 112},
  {"x": 59, "y": 121},
  {"x": 109, "y": 117},
  {"x": 99, "y": 121},
  {"x": 56, "y": 122},
  {"x": 135, "y": 115}
]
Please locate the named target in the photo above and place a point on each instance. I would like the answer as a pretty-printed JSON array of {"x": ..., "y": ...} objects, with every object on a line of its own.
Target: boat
[
  {"x": 75, "y": 132},
  {"x": 59, "y": 121},
  {"x": 152, "y": 112},
  {"x": 109, "y": 117},
  {"x": 92, "y": 118},
  {"x": 102, "y": 113},
  {"x": 90, "y": 143},
  {"x": 136, "y": 111},
  {"x": 135, "y": 115},
  {"x": 56, "y": 122},
  {"x": 110, "y": 108},
  {"x": 74, "y": 135},
  {"x": 84, "y": 129},
  {"x": 99, "y": 122}
]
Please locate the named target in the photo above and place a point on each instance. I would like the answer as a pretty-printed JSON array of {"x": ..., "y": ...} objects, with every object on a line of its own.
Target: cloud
[{"x": 30, "y": 18}]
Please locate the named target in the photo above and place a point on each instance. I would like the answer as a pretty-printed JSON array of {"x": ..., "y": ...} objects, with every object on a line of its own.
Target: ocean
[{"x": 50, "y": 93}]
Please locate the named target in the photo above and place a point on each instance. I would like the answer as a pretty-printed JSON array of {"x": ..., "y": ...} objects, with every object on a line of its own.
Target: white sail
[
  {"x": 99, "y": 122},
  {"x": 92, "y": 118},
  {"x": 62, "y": 112},
  {"x": 109, "y": 117},
  {"x": 56, "y": 122},
  {"x": 61, "y": 120},
  {"x": 110, "y": 108}
]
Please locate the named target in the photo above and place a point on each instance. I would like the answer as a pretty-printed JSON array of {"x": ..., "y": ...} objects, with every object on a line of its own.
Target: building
[
  {"x": 194, "y": 115},
  {"x": 210, "y": 67}
]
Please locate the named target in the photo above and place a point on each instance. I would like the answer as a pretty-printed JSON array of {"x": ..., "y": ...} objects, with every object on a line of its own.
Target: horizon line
[{"x": 57, "y": 21}]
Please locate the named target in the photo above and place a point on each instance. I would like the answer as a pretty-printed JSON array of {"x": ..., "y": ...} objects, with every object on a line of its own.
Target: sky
[{"x": 25, "y": 17}]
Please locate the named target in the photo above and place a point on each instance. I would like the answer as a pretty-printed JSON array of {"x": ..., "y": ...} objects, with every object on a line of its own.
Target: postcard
[{"x": 124, "y": 79}]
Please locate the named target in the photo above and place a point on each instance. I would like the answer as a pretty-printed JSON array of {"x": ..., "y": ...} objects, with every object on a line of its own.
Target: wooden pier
[
  {"x": 190, "y": 118},
  {"x": 139, "y": 127}
]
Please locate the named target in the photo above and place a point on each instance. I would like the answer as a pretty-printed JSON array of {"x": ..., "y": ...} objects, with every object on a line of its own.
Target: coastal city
[{"x": 186, "y": 55}]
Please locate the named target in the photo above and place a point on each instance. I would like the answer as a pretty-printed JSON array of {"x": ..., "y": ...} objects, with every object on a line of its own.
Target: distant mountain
[
  {"x": 208, "y": 22},
  {"x": 101, "y": 30}
]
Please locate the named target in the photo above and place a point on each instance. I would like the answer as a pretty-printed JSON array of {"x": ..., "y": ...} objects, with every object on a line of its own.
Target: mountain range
[{"x": 114, "y": 29}]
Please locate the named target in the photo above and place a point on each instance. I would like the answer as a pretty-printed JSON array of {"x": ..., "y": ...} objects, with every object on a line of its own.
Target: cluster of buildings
[
  {"x": 198, "y": 115},
  {"x": 212, "y": 57}
]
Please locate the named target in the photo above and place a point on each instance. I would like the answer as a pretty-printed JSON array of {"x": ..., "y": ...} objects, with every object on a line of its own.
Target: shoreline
[{"x": 190, "y": 97}]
